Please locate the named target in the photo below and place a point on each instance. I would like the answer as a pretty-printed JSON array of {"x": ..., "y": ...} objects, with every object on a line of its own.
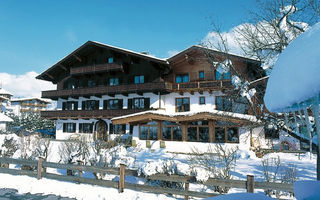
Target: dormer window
[
  {"x": 138, "y": 79},
  {"x": 182, "y": 78},
  {"x": 110, "y": 60}
]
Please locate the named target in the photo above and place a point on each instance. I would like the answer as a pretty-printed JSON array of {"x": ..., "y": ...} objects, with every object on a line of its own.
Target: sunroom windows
[{"x": 195, "y": 131}]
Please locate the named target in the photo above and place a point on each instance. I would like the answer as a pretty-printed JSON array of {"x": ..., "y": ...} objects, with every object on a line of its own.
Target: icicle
[
  {"x": 306, "y": 115},
  {"x": 295, "y": 121}
]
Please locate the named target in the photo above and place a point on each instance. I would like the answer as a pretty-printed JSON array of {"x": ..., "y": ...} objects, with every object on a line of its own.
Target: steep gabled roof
[
  {"x": 30, "y": 99},
  {"x": 4, "y": 92},
  {"x": 73, "y": 56},
  {"x": 198, "y": 47}
]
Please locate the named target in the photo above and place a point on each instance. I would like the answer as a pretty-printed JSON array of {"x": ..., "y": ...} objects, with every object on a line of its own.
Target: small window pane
[
  {"x": 218, "y": 76},
  {"x": 202, "y": 100},
  {"x": 201, "y": 75},
  {"x": 141, "y": 79},
  {"x": 177, "y": 133},
  {"x": 178, "y": 79},
  {"x": 166, "y": 133},
  {"x": 227, "y": 76},
  {"x": 110, "y": 60},
  {"x": 153, "y": 134},
  {"x": 220, "y": 134},
  {"x": 192, "y": 134},
  {"x": 233, "y": 135},
  {"x": 204, "y": 134},
  {"x": 143, "y": 132},
  {"x": 185, "y": 78}
]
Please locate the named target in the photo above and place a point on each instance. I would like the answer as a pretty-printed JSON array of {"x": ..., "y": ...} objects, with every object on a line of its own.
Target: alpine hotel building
[{"x": 104, "y": 91}]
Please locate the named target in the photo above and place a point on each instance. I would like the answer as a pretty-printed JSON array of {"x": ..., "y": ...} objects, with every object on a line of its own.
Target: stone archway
[{"x": 101, "y": 131}]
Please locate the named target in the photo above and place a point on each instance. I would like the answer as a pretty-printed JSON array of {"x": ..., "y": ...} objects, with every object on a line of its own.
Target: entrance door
[{"x": 101, "y": 131}]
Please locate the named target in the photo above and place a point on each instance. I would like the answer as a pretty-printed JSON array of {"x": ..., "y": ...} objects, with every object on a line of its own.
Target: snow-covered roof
[
  {"x": 30, "y": 99},
  {"x": 5, "y": 118},
  {"x": 218, "y": 113},
  {"x": 295, "y": 76},
  {"x": 4, "y": 92}
]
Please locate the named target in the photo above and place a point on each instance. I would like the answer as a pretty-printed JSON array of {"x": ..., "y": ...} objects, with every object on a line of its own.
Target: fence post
[
  {"x": 122, "y": 177},
  {"x": 40, "y": 168},
  {"x": 186, "y": 188},
  {"x": 250, "y": 183},
  {"x": 80, "y": 171}
]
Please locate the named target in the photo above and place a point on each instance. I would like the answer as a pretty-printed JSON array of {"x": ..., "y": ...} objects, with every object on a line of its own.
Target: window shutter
[
  {"x": 111, "y": 129},
  {"x": 120, "y": 103},
  {"x": 129, "y": 103},
  {"x": 146, "y": 102}
]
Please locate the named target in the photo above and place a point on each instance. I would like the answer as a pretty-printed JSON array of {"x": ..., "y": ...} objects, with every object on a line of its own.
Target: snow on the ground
[
  {"x": 45, "y": 186},
  {"x": 308, "y": 190},
  {"x": 295, "y": 75},
  {"x": 152, "y": 161},
  {"x": 241, "y": 196}
]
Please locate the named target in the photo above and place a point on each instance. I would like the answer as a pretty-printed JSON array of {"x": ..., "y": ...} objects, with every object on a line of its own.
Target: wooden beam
[
  {"x": 77, "y": 57},
  {"x": 62, "y": 67},
  {"x": 49, "y": 76}
]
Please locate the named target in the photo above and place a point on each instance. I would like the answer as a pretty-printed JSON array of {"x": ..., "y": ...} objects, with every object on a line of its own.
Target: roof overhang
[{"x": 161, "y": 115}]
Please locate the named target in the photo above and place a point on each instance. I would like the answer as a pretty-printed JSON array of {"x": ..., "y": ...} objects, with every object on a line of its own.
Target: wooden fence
[{"x": 40, "y": 171}]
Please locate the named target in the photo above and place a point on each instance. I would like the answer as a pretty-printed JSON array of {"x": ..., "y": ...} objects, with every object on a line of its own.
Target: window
[
  {"x": 149, "y": 131},
  {"x": 139, "y": 79},
  {"x": 114, "y": 81},
  {"x": 138, "y": 103},
  {"x": 202, "y": 100},
  {"x": 226, "y": 134},
  {"x": 70, "y": 105},
  {"x": 201, "y": 75},
  {"x": 182, "y": 78},
  {"x": 118, "y": 129},
  {"x": 220, "y": 134},
  {"x": 171, "y": 131},
  {"x": 90, "y": 105},
  {"x": 85, "y": 127},
  {"x": 91, "y": 83},
  {"x": 240, "y": 105},
  {"x": 69, "y": 127},
  {"x": 223, "y": 103},
  {"x": 182, "y": 104},
  {"x": 223, "y": 76},
  {"x": 112, "y": 104},
  {"x": 198, "y": 131},
  {"x": 110, "y": 60}
]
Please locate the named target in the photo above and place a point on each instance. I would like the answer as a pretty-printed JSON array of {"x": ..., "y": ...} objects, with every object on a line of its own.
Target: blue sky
[{"x": 36, "y": 34}]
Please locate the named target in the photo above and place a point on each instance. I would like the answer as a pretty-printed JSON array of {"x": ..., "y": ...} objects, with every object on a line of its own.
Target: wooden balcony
[
  {"x": 105, "y": 90},
  {"x": 96, "y": 68},
  {"x": 200, "y": 85},
  {"x": 88, "y": 114}
]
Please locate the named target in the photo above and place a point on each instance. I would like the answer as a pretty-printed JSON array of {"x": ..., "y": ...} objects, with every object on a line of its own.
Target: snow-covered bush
[
  {"x": 110, "y": 154},
  {"x": 8, "y": 148},
  {"x": 274, "y": 171},
  {"x": 216, "y": 162}
]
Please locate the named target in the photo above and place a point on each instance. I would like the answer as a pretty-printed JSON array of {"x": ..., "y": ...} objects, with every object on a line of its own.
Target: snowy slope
[{"x": 295, "y": 77}]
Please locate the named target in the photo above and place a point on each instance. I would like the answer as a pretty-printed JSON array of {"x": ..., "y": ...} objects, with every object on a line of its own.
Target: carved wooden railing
[
  {"x": 105, "y": 90},
  {"x": 95, "y": 68}
]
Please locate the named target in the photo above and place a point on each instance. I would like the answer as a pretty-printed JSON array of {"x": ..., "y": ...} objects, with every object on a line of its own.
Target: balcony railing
[
  {"x": 105, "y": 90},
  {"x": 95, "y": 68},
  {"x": 87, "y": 114},
  {"x": 201, "y": 85}
]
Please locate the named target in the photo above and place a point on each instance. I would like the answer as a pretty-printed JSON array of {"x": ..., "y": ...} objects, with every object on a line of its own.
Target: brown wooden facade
[{"x": 90, "y": 69}]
